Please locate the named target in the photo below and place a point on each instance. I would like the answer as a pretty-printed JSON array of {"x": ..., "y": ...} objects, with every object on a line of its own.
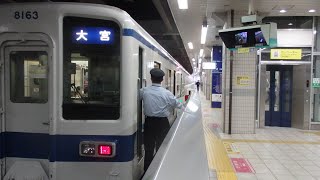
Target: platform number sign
[
  {"x": 28, "y": 15},
  {"x": 316, "y": 82}
]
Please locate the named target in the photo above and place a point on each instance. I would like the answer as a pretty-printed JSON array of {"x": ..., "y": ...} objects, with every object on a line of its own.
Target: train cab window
[
  {"x": 91, "y": 83},
  {"x": 28, "y": 77}
]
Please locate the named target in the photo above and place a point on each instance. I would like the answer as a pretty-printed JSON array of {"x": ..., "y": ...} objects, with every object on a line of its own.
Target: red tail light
[{"x": 105, "y": 150}]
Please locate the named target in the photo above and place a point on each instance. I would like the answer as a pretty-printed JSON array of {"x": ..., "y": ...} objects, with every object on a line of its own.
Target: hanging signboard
[
  {"x": 209, "y": 65},
  {"x": 292, "y": 54}
]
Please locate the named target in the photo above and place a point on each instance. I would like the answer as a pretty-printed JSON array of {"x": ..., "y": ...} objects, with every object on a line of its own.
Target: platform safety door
[
  {"x": 25, "y": 134},
  {"x": 278, "y": 102}
]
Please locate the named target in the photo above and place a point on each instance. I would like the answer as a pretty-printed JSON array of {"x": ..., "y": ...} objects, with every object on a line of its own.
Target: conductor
[{"x": 157, "y": 103}]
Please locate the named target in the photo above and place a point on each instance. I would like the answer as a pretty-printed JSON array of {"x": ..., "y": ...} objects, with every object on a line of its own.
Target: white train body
[{"x": 59, "y": 90}]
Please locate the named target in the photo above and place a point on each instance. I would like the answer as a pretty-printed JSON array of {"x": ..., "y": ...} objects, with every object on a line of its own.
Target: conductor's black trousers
[{"x": 155, "y": 130}]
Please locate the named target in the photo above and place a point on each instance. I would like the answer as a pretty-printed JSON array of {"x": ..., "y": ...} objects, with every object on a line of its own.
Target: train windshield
[{"x": 91, "y": 67}]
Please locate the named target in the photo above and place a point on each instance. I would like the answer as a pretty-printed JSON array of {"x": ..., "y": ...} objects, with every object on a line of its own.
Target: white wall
[{"x": 294, "y": 37}]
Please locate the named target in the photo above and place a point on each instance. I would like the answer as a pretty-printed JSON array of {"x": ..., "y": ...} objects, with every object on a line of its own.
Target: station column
[{"x": 244, "y": 80}]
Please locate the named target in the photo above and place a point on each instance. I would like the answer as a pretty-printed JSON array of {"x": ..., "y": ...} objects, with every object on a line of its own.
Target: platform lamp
[{"x": 204, "y": 30}]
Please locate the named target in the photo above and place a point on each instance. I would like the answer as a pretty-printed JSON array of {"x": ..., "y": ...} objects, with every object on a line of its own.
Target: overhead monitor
[
  {"x": 250, "y": 36},
  {"x": 241, "y": 38}
]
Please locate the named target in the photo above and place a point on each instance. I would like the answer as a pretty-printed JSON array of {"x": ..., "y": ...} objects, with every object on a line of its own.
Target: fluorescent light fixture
[
  {"x": 290, "y": 24},
  {"x": 194, "y": 62},
  {"x": 193, "y": 59},
  {"x": 200, "y": 60},
  {"x": 312, "y": 10},
  {"x": 190, "y": 45},
  {"x": 283, "y": 11},
  {"x": 204, "y": 33},
  {"x": 201, "y": 52},
  {"x": 183, "y": 4}
]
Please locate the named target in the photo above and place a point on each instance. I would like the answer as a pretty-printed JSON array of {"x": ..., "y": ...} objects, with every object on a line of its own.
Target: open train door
[{"x": 26, "y": 96}]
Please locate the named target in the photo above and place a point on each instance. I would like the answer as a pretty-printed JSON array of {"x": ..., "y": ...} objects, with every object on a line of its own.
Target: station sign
[
  {"x": 316, "y": 82},
  {"x": 243, "y": 80},
  {"x": 209, "y": 65},
  {"x": 92, "y": 35},
  {"x": 243, "y": 50},
  {"x": 216, "y": 82},
  {"x": 286, "y": 54}
]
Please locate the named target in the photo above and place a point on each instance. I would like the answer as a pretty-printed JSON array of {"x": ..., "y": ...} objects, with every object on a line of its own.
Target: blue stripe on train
[
  {"x": 136, "y": 35},
  {"x": 62, "y": 147}
]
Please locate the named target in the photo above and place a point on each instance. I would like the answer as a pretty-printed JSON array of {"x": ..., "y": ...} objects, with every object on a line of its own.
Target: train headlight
[{"x": 97, "y": 149}]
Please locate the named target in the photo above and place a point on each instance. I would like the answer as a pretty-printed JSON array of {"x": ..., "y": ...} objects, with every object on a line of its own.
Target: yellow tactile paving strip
[
  {"x": 217, "y": 156},
  {"x": 270, "y": 141},
  {"x": 311, "y": 132}
]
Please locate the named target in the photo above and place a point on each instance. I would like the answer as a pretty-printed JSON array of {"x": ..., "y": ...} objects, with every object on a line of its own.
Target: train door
[
  {"x": 139, "y": 105},
  {"x": 279, "y": 96},
  {"x": 25, "y": 134}
]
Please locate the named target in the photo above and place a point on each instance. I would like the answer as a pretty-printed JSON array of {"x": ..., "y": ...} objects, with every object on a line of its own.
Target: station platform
[{"x": 272, "y": 153}]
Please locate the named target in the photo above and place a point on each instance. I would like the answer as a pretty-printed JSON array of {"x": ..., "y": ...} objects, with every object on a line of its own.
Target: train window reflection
[
  {"x": 28, "y": 77},
  {"x": 94, "y": 87}
]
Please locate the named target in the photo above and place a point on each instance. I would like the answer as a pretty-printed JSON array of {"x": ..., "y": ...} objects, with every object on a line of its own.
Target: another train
[{"x": 70, "y": 75}]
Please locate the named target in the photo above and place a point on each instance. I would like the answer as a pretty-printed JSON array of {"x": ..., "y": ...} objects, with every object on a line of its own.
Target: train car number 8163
[{"x": 26, "y": 15}]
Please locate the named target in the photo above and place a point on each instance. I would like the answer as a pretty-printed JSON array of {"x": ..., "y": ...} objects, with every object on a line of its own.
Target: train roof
[{"x": 64, "y": 5}]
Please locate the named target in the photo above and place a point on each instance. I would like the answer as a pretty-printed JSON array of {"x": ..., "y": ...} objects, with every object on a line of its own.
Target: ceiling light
[
  {"x": 201, "y": 52},
  {"x": 290, "y": 24},
  {"x": 194, "y": 62},
  {"x": 204, "y": 33},
  {"x": 312, "y": 10},
  {"x": 283, "y": 11},
  {"x": 200, "y": 60},
  {"x": 183, "y": 4},
  {"x": 190, "y": 45},
  {"x": 314, "y": 32},
  {"x": 193, "y": 59}
]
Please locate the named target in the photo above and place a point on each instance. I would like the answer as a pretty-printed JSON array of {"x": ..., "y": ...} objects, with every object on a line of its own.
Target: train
[{"x": 70, "y": 76}]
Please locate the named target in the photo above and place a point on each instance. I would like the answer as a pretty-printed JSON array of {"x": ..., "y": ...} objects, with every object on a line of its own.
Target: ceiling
[
  {"x": 153, "y": 15},
  {"x": 189, "y": 21},
  {"x": 173, "y": 28}
]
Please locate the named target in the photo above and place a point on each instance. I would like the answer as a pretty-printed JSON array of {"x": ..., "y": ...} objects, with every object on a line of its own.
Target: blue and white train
[{"x": 70, "y": 75}]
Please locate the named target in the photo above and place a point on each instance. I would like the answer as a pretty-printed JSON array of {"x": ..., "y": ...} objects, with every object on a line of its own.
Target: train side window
[
  {"x": 91, "y": 81},
  {"x": 28, "y": 77}
]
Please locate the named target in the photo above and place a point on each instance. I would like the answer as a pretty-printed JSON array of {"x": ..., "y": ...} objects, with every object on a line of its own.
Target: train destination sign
[{"x": 92, "y": 35}]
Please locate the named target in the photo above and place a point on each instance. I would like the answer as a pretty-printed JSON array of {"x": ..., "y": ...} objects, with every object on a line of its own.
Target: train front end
[{"x": 62, "y": 93}]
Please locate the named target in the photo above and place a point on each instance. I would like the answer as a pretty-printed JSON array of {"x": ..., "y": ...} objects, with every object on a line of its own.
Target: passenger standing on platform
[
  {"x": 157, "y": 103},
  {"x": 198, "y": 84}
]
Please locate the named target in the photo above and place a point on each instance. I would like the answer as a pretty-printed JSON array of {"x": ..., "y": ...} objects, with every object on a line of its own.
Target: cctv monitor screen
[
  {"x": 241, "y": 38},
  {"x": 259, "y": 38}
]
